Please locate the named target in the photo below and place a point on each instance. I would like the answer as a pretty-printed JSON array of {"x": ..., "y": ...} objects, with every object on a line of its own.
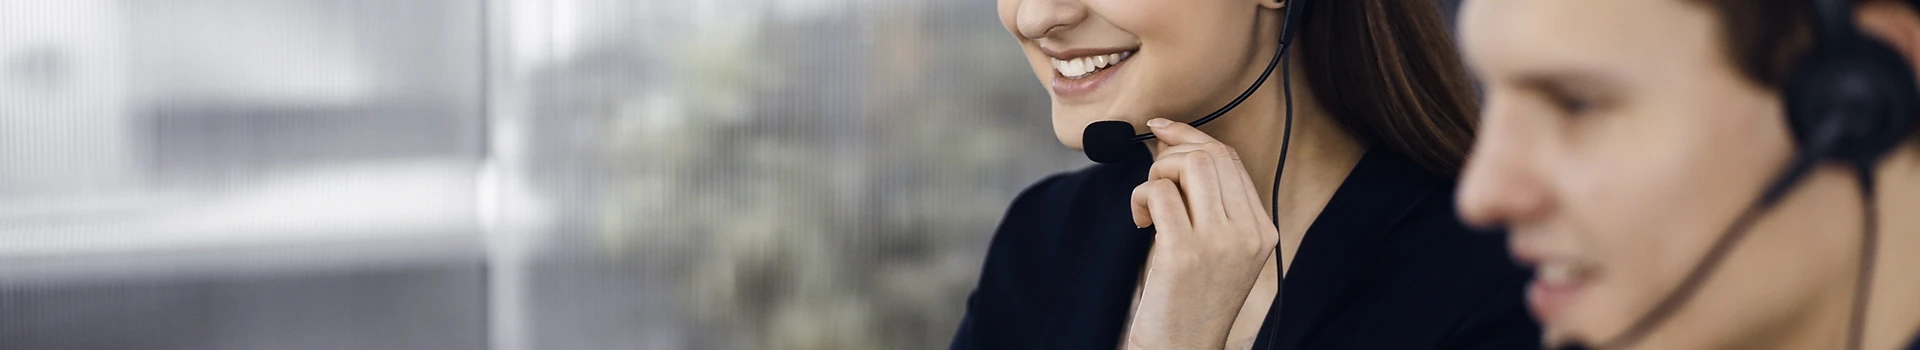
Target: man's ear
[
  {"x": 1273, "y": 4},
  {"x": 1893, "y": 23},
  {"x": 1896, "y": 24}
]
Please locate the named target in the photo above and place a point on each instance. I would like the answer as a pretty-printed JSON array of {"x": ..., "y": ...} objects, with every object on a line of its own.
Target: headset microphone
[
  {"x": 1850, "y": 100},
  {"x": 1113, "y": 141}
]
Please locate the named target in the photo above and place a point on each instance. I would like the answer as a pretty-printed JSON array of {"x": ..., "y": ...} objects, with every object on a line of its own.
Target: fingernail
[{"x": 1159, "y": 122}]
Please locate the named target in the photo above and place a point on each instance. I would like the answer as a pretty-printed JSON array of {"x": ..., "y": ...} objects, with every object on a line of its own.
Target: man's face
[{"x": 1618, "y": 141}]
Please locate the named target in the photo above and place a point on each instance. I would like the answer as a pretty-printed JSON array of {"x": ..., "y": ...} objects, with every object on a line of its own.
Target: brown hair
[
  {"x": 1388, "y": 71},
  {"x": 1763, "y": 38}
]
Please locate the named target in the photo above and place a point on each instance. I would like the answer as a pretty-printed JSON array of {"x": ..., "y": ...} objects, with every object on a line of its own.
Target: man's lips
[{"x": 1556, "y": 286}]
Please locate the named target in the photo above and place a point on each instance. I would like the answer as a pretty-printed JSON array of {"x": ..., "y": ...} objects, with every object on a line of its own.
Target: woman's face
[
  {"x": 1134, "y": 60},
  {"x": 1617, "y": 142}
]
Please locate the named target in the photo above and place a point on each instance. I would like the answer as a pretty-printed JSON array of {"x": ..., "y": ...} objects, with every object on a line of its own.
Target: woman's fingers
[
  {"x": 1142, "y": 214},
  {"x": 1235, "y": 190},
  {"x": 1230, "y": 178},
  {"x": 1175, "y": 133},
  {"x": 1158, "y": 203},
  {"x": 1247, "y": 205},
  {"x": 1250, "y": 205},
  {"x": 1197, "y": 181}
]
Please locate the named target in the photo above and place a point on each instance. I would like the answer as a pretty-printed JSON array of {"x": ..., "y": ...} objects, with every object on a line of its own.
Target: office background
[{"x": 504, "y": 174}]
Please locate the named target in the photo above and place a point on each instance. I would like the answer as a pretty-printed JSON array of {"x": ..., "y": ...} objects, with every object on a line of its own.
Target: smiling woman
[
  {"x": 1180, "y": 252},
  {"x": 1385, "y": 70}
]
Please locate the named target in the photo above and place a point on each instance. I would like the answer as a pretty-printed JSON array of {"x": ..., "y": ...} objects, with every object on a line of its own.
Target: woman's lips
[{"x": 1064, "y": 87}]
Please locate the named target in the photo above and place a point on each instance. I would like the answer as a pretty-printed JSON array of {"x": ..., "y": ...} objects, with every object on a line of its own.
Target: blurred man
[{"x": 1627, "y": 145}]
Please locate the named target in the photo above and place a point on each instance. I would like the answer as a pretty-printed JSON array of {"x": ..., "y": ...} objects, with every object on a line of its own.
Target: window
[{"x": 504, "y": 174}]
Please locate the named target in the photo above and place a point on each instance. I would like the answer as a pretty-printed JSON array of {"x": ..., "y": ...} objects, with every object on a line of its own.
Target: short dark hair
[{"x": 1764, "y": 38}]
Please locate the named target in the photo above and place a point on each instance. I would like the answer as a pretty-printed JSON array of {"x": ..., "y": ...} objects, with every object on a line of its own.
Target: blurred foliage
[{"x": 820, "y": 183}]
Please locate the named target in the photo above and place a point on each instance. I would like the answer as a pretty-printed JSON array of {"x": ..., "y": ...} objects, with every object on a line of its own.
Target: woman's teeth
[{"x": 1083, "y": 66}]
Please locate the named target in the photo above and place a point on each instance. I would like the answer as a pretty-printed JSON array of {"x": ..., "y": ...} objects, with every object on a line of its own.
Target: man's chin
[{"x": 1554, "y": 338}]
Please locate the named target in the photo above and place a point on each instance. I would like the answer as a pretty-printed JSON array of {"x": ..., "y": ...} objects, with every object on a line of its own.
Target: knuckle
[
  {"x": 1217, "y": 147},
  {"x": 1161, "y": 165},
  {"x": 1168, "y": 153},
  {"x": 1165, "y": 186},
  {"x": 1168, "y": 195},
  {"x": 1255, "y": 246},
  {"x": 1149, "y": 192}
]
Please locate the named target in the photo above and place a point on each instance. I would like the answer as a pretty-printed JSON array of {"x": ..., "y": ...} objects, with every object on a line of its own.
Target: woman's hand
[{"x": 1212, "y": 237}]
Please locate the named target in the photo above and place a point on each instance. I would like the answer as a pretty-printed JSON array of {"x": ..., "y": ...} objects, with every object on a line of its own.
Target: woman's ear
[
  {"x": 1893, "y": 23},
  {"x": 1273, "y": 4}
]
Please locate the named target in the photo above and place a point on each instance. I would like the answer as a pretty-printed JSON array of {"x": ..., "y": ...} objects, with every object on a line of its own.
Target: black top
[{"x": 1387, "y": 265}]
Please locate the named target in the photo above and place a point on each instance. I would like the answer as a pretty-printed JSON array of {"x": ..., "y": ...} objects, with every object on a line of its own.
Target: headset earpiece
[{"x": 1858, "y": 89}]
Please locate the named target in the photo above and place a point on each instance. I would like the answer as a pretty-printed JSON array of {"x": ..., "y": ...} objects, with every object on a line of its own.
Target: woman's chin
[
  {"x": 1070, "y": 122},
  {"x": 1070, "y": 137}
]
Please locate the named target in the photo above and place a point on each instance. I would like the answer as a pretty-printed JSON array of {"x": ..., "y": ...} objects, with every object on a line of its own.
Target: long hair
[{"x": 1389, "y": 73}]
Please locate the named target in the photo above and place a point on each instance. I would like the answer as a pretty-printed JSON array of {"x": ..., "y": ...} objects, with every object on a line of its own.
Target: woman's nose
[{"x": 1043, "y": 18}]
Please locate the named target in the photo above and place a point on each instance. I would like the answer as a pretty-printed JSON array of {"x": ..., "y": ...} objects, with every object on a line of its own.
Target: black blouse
[{"x": 1387, "y": 265}]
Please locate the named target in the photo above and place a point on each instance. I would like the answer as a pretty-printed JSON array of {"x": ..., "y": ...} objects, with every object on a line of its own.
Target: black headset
[
  {"x": 1113, "y": 141},
  {"x": 1850, "y": 99}
]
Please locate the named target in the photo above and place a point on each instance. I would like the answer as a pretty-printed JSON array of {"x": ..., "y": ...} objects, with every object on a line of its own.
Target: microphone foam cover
[{"x": 1111, "y": 141}]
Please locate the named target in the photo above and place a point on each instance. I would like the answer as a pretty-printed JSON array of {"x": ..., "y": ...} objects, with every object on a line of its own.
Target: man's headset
[
  {"x": 1113, "y": 141},
  {"x": 1851, "y": 100}
]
